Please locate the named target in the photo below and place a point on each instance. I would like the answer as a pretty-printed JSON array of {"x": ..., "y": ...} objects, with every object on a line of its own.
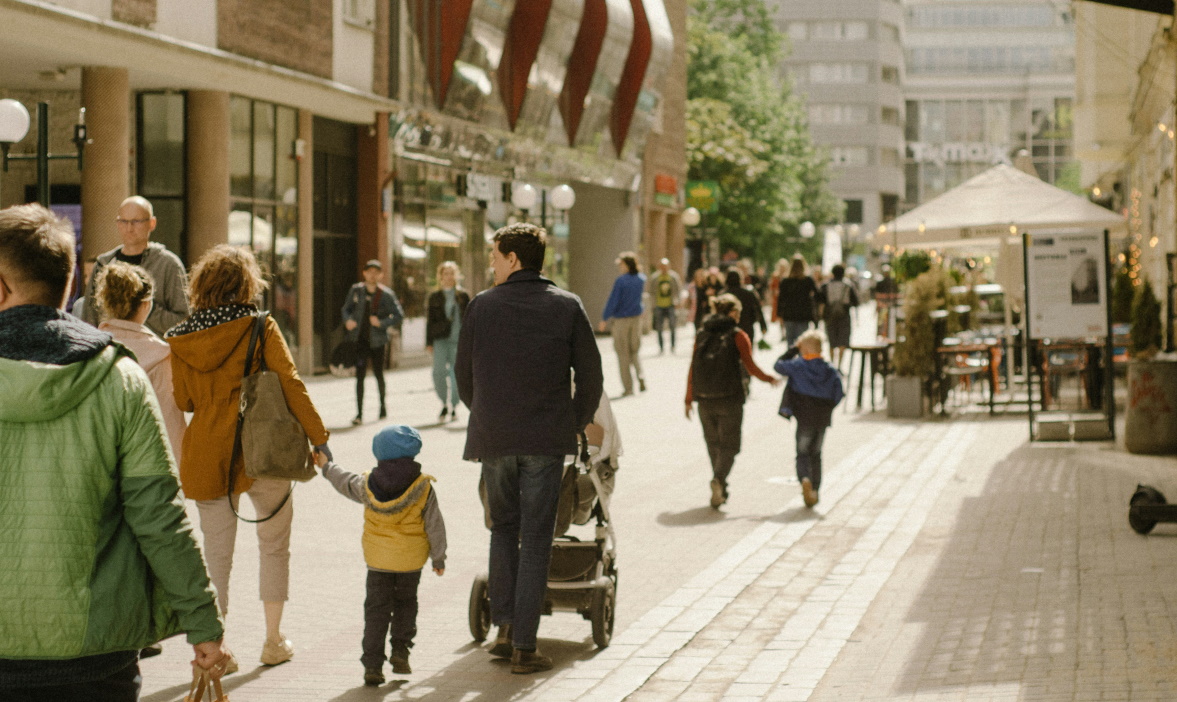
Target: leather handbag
[
  {"x": 269, "y": 438},
  {"x": 205, "y": 684}
]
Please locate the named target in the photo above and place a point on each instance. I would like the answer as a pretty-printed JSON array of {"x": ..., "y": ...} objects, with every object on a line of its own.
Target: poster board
[{"x": 1066, "y": 284}]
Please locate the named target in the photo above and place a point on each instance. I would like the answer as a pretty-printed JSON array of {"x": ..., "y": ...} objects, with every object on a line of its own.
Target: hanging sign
[
  {"x": 703, "y": 195},
  {"x": 1066, "y": 284}
]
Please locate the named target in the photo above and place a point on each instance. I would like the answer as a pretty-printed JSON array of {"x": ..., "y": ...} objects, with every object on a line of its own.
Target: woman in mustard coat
[{"x": 208, "y": 361}]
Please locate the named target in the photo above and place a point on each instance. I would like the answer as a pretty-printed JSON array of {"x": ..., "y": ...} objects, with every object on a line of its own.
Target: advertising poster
[{"x": 1066, "y": 285}]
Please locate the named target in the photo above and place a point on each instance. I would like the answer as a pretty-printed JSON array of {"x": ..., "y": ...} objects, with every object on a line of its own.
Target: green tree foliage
[
  {"x": 910, "y": 264},
  {"x": 915, "y": 354},
  {"x": 1146, "y": 322},
  {"x": 747, "y": 131}
]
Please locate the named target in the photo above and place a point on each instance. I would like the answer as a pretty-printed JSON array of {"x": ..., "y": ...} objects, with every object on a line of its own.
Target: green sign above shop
[{"x": 703, "y": 195}]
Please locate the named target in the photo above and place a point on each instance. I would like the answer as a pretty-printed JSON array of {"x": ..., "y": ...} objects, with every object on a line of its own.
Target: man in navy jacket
[{"x": 518, "y": 342}]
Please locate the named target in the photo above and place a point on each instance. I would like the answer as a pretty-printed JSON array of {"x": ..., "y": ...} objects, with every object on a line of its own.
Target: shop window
[
  {"x": 264, "y": 189},
  {"x": 160, "y": 165},
  {"x": 853, "y": 211}
]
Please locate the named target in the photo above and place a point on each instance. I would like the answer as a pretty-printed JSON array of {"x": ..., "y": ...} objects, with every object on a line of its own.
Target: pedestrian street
[{"x": 888, "y": 589}]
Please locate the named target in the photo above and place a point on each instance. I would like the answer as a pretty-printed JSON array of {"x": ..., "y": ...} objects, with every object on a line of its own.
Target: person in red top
[{"x": 714, "y": 380}]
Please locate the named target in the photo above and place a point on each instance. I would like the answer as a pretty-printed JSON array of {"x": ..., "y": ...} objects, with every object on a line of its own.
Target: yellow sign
[{"x": 703, "y": 195}]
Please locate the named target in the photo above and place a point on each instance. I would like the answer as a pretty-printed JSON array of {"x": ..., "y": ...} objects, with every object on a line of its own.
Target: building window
[
  {"x": 889, "y": 115},
  {"x": 995, "y": 16},
  {"x": 850, "y": 156},
  {"x": 263, "y": 185},
  {"x": 839, "y": 31},
  {"x": 890, "y": 74},
  {"x": 888, "y": 32},
  {"x": 361, "y": 13},
  {"x": 839, "y": 114},
  {"x": 853, "y": 73},
  {"x": 797, "y": 31},
  {"x": 889, "y": 157},
  {"x": 853, "y": 211},
  {"x": 160, "y": 167}
]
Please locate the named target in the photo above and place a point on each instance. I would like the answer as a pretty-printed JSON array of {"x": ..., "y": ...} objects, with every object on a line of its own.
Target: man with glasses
[{"x": 135, "y": 222}]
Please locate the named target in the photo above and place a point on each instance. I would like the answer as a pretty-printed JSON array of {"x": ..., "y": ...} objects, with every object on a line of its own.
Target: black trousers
[
  {"x": 122, "y": 686},
  {"x": 373, "y": 357},
  {"x": 391, "y": 604},
  {"x": 723, "y": 422}
]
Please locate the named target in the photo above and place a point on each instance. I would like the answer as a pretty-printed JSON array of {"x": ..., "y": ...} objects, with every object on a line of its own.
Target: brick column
[
  {"x": 372, "y": 169},
  {"x": 208, "y": 171},
  {"x": 106, "y": 176}
]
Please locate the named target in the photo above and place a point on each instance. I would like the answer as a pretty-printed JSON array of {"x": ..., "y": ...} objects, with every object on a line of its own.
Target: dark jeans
[
  {"x": 522, "y": 492},
  {"x": 122, "y": 686},
  {"x": 662, "y": 315},
  {"x": 723, "y": 422},
  {"x": 392, "y": 600},
  {"x": 809, "y": 440},
  {"x": 375, "y": 358}
]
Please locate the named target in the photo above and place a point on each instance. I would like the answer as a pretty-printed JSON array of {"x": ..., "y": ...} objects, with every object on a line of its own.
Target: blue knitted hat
[{"x": 396, "y": 441}]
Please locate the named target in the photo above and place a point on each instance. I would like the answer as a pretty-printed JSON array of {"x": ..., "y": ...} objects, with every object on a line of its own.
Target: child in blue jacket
[{"x": 814, "y": 389}]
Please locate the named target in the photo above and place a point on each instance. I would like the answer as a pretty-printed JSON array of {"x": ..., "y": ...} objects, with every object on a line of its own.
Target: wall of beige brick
[{"x": 295, "y": 34}]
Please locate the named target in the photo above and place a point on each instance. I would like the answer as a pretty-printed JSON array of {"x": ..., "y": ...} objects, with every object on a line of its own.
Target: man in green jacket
[{"x": 97, "y": 555}]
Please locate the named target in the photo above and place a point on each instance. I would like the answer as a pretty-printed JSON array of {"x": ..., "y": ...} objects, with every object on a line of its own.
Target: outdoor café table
[
  {"x": 877, "y": 355},
  {"x": 992, "y": 351}
]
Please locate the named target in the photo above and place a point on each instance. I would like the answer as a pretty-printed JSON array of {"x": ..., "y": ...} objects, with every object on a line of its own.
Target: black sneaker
[
  {"x": 150, "y": 651},
  {"x": 383, "y": 414},
  {"x": 641, "y": 384},
  {"x": 445, "y": 411},
  {"x": 400, "y": 659},
  {"x": 527, "y": 662},
  {"x": 503, "y": 647},
  {"x": 373, "y": 676},
  {"x": 357, "y": 421}
]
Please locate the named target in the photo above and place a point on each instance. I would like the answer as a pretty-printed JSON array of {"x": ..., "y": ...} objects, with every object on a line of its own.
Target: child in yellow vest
[{"x": 403, "y": 528}]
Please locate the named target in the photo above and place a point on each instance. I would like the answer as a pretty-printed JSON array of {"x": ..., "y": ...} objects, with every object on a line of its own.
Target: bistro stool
[{"x": 879, "y": 358}]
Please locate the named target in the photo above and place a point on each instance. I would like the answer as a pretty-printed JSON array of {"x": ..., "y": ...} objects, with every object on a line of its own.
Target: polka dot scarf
[{"x": 210, "y": 317}]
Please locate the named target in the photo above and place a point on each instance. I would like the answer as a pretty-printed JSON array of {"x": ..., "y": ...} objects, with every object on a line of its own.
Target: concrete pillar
[
  {"x": 675, "y": 238},
  {"x": 208, "y": 171},
  {"x": 372, "y": 168},
  {"x": 304, "y": 355},
  {"x": 106, "y": 177},
  {"x": 603, "y": 223}
]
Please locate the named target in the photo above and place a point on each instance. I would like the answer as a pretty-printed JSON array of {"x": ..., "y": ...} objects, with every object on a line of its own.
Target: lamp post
[
  {"x": 14, "y": 125},
  {"x": 690, "y": 219},
  {"x": 523, "y": 197}
]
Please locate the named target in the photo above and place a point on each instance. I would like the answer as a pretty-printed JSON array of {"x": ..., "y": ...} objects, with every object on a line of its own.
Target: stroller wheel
[
  {"x": 1145, "y": 495},
  {"x": 603, "y": 608},
  {"x": 479, "y": 609}
]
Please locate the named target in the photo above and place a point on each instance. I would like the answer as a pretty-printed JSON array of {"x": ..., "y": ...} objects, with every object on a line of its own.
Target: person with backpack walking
[
  {"x": 813, "y": 391},
  {"x": 795, "y": 300},
  {"x": 715, "y": 381},
  {"x": 837, "y": 298}
]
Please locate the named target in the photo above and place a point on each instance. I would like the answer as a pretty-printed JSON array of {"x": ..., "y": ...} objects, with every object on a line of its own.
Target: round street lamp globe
[
  {"x": 807, "y": 230},
  {"x": 691, "y": 216},
  {"x": 523, "y": 196},
  {"x": 563, "y": 197},
  {"x": 14, "y": 121}
]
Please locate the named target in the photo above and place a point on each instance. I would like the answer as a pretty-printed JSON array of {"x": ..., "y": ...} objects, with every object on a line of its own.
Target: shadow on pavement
[
  {"x": 796, "y": 514},
  {"x": 475, "y": 676},
  {"x": 1041, "y": 585},
  {"x": 228, "y": 683},
  {"x": 691, "y": 517}
]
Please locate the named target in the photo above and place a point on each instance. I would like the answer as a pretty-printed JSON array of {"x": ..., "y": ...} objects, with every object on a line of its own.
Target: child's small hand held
[
  {"x": 439, "y": 571},
  {"x": 320, "y": 459}
]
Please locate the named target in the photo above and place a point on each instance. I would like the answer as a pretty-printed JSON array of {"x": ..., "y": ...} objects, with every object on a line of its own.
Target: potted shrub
[
  {"x": 1150, "y": 423},
  {"x": 915, "y": 349}
]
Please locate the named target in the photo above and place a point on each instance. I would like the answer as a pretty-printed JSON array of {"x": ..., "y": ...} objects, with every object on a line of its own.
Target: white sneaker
[{"x": 275, "y": 652}]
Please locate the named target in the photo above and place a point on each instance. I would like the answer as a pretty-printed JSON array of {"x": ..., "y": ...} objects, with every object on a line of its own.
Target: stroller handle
[{"x": 583, "y": 445}]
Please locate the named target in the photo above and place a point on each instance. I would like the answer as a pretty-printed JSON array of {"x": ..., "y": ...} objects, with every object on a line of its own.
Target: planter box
[
  {"x": 1150, "y": 424},
  {"x": 905, "y": 397}
]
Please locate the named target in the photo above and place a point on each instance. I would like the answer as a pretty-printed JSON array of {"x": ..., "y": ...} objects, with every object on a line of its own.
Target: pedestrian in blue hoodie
[
  {"x": 814, "y": 389},
  {"x": 402, "y": 529}
]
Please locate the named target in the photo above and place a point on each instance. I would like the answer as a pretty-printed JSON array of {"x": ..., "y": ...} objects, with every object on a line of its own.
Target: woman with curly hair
[{"x": 208, "y": 360}]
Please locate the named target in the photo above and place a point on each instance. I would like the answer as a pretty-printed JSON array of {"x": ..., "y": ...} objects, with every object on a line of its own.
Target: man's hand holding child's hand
[{"x": 320, "y": 459}]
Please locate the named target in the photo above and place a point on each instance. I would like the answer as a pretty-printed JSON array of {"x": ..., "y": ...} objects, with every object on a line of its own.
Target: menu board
[{"x": 1066, "y": 284}]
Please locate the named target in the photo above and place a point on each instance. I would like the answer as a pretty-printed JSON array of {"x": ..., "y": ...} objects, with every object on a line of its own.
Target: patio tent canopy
[{"x": 981, "y": 211}]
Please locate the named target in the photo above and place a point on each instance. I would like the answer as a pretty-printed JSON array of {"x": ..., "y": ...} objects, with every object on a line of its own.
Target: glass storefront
[
  {"x": 160, "y": 168},
  {"x": 263, "y": 185},
  {"x": 950, "y": 141}
]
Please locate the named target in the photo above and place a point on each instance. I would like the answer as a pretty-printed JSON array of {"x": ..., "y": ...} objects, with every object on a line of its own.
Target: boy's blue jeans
[
  {"x": 809, "y": 440},
  {"x": 522, "y": 492}
]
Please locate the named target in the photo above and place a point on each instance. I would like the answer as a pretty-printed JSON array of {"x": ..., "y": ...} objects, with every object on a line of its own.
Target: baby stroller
[{"x": 582, "y": 577}]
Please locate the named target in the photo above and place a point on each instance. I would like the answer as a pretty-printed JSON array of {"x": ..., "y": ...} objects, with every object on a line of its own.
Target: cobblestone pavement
[{"x": 946, "y": 560}]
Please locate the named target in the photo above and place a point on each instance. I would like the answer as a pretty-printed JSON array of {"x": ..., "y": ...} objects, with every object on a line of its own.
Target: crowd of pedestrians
[{"x": 161, "y": 342}]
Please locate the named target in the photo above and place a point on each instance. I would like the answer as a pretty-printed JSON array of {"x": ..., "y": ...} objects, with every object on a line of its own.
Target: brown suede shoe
[
  {"x": 527, "y": 662},
  {"x": 503, "y": 647}
]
